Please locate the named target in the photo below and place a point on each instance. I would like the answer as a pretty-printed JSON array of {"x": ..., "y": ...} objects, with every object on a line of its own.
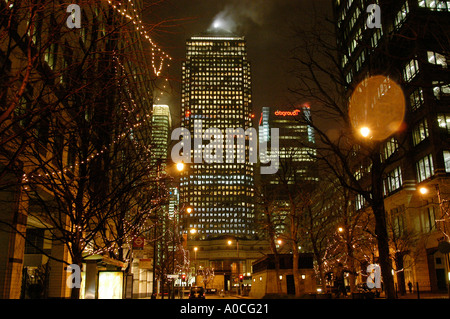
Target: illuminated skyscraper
[
  {"x": 296, "y": 155},
  {"x": 161, "y": 123},
  {"x": 296, "y": 141},
  {"x": 217, "y": 91}
]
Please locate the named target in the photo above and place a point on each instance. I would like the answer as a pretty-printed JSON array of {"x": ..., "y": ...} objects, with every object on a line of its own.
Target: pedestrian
[
  {"x": 339, "y": 280},
  {"x": 410, "y": 286}
]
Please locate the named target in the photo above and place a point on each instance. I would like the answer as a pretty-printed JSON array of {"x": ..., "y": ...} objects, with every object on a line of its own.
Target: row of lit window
[
  {"x": 435, "y": 5},
  {"x": 232, "y": 206},
  {"x": 411, "y": 69},
  {"x": 217, "y": 43}
]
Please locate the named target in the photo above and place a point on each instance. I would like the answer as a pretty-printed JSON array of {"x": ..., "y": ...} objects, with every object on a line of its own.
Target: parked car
[{"x": 197, "y": 293}]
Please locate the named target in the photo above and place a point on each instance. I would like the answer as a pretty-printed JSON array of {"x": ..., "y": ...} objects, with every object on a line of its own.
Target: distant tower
[
  {"x": 296, "y": 138},
  {"x": 161, "y": 124}
]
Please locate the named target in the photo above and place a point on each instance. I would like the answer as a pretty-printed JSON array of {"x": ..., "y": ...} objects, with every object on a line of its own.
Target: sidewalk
[{"x": 424, "y": 295}]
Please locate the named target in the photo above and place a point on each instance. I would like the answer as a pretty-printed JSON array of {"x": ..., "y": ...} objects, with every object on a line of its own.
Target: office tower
[
  {"x": 216, "y": 92},
  {"x": 161, "y": 124},
  {"x": 410, "y": 46},
  {"x": 296, "y": 156},
  {"x": 296, "y": 140}
]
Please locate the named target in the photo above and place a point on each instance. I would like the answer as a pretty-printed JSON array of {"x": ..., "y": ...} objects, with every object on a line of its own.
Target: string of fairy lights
[
  {"x": 130, "y": 230},
  {"x": 139, "y": 27},
  {"x": 128, "y": 108}
]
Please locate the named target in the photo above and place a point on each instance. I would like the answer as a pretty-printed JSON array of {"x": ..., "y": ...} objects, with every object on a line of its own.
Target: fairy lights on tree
[{"x": 134, "y": 17}]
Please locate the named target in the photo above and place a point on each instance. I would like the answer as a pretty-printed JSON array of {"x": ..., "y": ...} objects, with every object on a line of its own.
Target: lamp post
[
  {"x": 195, "y": 264},
  {"x": 230, "y": 242}
]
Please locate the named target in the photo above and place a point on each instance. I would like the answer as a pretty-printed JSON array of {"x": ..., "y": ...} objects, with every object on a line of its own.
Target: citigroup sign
[{"x": 287, "y": 113}]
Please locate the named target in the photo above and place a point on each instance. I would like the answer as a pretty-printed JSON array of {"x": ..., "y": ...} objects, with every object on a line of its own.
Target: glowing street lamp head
[
  {"x": 423, "y": 190},
  {"x": 189, "y": 210},
  {"x": 180, "y": 166},
  {"x": 193, "y": 231},
  {"x": 365, "y": 131},
  {"x": 230, "y": 242}
]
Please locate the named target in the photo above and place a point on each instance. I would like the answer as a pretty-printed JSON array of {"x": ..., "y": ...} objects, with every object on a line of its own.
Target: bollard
[{"x": 417, "y": 288}]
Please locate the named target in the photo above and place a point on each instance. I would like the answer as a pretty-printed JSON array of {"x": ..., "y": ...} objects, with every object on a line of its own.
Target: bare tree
[
  {"x": 75, "y": 126},
  {"x": 321, "y": 83}
]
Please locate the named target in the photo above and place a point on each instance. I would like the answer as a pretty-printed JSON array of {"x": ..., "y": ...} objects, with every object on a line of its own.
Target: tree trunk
[
  {"x": 351, "y": 266},
  {"x": 377, "y": 204},
  {"x": 295, "y": 258},
  {"x": 383, "y": 250},
  {"x": 75, "y": 291},
  {"x": 400, "y": 273},
  {"x": 318, "y": 257},
  {"x": 277, "y": 264}
]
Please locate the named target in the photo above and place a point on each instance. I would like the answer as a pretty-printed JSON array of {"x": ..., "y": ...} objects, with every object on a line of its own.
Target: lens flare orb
[{"x": 377, "y": 108}]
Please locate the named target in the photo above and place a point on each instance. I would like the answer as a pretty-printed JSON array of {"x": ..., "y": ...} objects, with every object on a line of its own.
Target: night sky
[{"x": 266, "y": 24}]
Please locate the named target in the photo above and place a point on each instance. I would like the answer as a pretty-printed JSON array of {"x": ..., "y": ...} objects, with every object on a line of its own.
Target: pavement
[
  {"x": 408, "y": 295},
  {"x": 424, "y": 295}
]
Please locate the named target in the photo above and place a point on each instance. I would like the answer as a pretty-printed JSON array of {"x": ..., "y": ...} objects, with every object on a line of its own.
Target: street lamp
[
  {"x": 230, "y": 242},
  {"x": 180, "y": 166},
  {"x": 195, "y": 264},
  {"x": 364, "y": 131},
  {"x": 423, "y": 190}
]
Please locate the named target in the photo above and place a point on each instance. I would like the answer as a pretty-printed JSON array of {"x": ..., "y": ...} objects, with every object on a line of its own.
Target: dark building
[
  {"x": 410, "y": 46},
  {"x": 265, "y": 278},
  {"x": 296, "y": 149}
]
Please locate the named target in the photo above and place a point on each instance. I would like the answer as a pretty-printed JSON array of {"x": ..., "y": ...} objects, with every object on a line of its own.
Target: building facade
[
  {"x": 216, "y": 96},
  {"x": 296, "y": 147},
  {"x": 84, "y": 117},
  {"x": 296, "y": 157},
  {"x": 409, "y": 45}
]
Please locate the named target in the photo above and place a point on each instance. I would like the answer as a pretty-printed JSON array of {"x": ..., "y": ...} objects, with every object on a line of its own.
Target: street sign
[
  {"x": 172, "y": 276},
  {"x": 138, "y": 243}
]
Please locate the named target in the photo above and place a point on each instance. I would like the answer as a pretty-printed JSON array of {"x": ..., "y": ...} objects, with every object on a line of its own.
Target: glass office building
[{"x": 216, "y": 93}]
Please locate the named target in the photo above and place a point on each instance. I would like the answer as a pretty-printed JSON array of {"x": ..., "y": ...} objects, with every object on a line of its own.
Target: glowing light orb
[
  {"x": 365, "y": 131},
  {"x": 180, "y": 166},
  {"x": 377, "y": 107}
]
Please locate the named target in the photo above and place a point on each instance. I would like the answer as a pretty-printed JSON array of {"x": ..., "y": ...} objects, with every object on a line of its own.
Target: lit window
[
  {"x": 420, "y": 132},
  {"x": 435, "y": 5},
  {"x": 436, "y": 58},
  {"x": 359, "y": 201},
  {"x": 394, "y": 180},
  {"x": 376, "y": 36},
  {"x": 444, "y": 121},
  {"x": 447, "y": 161},
  {"x": 416, "y": 99},
  {"x": 440, "y": 89},
  {"x": 390, "y": 147},
  {"x": 410, "y": 70},
  {"x": 424, "y": 168},
  {"x": 401, "y": 15}
]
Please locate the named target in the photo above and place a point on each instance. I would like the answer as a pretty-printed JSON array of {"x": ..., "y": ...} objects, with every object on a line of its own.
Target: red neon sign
[{"x": 287, "y": 113}]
